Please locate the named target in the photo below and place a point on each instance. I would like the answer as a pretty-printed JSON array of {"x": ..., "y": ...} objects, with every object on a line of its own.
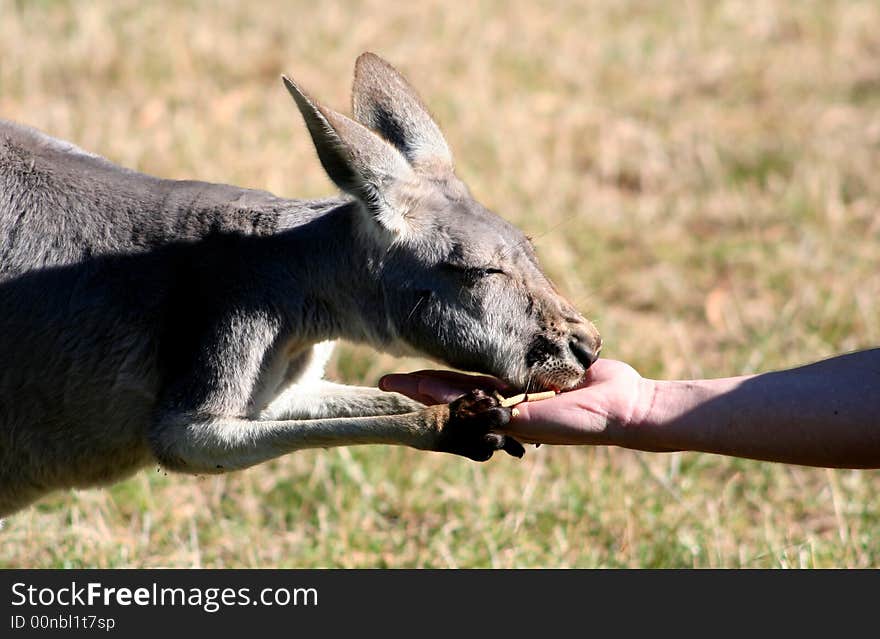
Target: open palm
[{"x": 595, "y": 412}]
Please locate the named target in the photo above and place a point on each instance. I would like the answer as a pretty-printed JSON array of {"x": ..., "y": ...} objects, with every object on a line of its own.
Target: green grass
[{"x": 700, "y": 178}]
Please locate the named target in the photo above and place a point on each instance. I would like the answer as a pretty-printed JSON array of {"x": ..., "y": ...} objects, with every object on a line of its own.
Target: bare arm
[{"x": 823, "y": 414}]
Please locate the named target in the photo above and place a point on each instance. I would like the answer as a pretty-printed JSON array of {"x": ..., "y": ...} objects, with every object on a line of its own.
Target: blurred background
[{"x": 701, "y": 178}]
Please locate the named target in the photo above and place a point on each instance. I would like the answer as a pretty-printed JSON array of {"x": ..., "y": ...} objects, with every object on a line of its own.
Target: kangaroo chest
[{"x": 291, "y": 364}]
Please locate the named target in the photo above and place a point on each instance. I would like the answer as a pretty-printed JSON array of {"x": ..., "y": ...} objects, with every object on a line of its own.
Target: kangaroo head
[{"x": 460, "y": 284}]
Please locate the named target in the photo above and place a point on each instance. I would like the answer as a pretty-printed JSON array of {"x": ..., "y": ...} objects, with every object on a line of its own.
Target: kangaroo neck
[{"x": 333, "y": 269}]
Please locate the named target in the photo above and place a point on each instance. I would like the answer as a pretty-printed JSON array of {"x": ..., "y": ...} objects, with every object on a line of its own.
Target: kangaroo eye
[
  {"x": 472, "y": 273},
  {"x": 484, "y": 272}
]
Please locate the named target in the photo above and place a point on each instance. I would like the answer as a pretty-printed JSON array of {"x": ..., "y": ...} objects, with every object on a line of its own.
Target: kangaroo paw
[{"x": 467, "y": 432}]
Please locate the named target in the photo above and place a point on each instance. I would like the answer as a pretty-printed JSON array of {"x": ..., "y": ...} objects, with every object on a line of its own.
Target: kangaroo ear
[
  {"x": 384, "y": 101},
  {"x": 357, "y": 160}
]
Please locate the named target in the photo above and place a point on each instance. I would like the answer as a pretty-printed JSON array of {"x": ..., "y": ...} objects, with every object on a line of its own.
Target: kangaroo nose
[{"x": 585, "y": 346}]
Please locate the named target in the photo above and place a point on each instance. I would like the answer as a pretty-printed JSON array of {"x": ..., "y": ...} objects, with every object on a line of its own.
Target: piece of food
[
  {"x": 513, "y": 400},
  {"x": 524, "y": 397}
]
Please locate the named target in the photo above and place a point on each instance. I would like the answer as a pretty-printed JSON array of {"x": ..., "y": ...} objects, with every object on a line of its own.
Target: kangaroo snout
[
  {"x": 585, "y": 343},
  {"x": 562, "y": 350}
]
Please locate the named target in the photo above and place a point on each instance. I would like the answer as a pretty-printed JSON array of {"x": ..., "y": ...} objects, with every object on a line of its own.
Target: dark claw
[
  {"x": 468, "y": 431},
  {"x": 513, "y": 447},
  {"x": 506, "y": 443}
]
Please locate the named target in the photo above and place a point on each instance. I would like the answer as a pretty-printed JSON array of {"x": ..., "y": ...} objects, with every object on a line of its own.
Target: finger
[
  {"x": 465, "y": 380},
  {"x": 399, "y": 383},
  {"x": 442, "y": 392},
  {"x": 410, "y": 386},
  {"x": 437, "y": 387},
  {"x": 426, "y": 400},
  {"x": 426, "y": 390}
]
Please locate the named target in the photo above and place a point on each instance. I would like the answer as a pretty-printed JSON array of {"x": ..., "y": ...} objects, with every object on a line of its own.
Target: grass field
[{"x": 700, "y": 177}]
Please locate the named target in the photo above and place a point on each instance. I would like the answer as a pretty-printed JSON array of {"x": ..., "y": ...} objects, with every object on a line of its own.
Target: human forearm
[{"x": 825, "y": 414}]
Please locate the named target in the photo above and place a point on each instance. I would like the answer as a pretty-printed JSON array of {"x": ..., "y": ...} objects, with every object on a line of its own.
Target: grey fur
[{"x": 184, "y": 323}]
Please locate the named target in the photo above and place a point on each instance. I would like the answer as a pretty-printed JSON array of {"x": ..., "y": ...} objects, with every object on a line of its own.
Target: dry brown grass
[{"x": 701, "y": 177}]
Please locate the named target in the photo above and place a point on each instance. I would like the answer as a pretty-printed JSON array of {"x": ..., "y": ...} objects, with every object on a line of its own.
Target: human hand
[{"x": 611, "y": 397}]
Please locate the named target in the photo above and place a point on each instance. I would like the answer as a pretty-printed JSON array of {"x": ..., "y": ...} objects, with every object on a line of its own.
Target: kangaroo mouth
[{"x": 554, "y": 366}]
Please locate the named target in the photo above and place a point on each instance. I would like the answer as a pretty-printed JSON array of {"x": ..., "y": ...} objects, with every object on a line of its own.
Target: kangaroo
[{"x": 187, "y": 324}]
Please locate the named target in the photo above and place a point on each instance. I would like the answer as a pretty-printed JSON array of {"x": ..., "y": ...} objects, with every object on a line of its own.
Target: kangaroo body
[{"x": 183, "y": 323}]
